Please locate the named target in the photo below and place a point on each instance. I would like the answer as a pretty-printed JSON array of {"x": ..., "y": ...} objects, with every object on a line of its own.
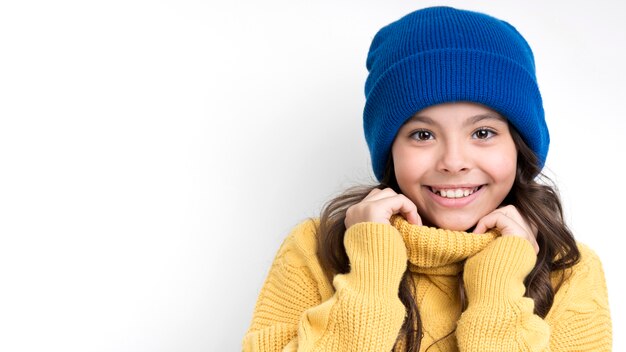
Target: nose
[{"x": 454, "y": 158}]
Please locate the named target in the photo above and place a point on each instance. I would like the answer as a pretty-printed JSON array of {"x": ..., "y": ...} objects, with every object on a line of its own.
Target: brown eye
[
  {"x": 483, "y": 134},
  {"x": 422, "y": 135}
]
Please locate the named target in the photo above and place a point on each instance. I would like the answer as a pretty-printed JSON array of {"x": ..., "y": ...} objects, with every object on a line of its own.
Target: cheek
[
  {"x": 405, "y": 165},
  {"x": 504, "y": 166}
]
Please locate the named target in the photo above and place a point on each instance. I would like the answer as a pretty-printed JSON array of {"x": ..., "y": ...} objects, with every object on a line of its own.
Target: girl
[{"x": 459, "y": 248}]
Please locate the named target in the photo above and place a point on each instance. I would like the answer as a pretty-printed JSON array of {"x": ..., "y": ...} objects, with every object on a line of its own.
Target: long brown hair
[{"x": 533, "y": 194}]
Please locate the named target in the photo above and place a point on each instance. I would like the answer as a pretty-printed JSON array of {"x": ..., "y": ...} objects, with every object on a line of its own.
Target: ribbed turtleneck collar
[{"x": 436, "y": 251}]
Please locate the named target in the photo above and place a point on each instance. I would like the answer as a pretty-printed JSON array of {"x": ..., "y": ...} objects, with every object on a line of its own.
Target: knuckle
[
  {"x": 389, "y": 190},
  {"x": 511, "y": 208},
  {"x": 408, "y": 201}
]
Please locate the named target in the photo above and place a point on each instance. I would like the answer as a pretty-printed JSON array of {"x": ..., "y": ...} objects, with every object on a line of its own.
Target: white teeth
[{"x": 455, "y": 193}]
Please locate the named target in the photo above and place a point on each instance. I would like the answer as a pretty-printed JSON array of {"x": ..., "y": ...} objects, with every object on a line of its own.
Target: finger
[
  {"x": 385, "y": 207},
  {"x": 412, "y": 216},
  {"x": 487, "y": 221},
  {"x": 494, "y": 220},
  {"x": 511, "y": 212},
  {"x": 372, "y": 192},
  {"x": 534, "y": 230},
  {"x": 400, "y": 204},
  {"x": 480, "y": 227},
  {"x": 507, "y": 227},
  {"x": 379, "y": 205}
]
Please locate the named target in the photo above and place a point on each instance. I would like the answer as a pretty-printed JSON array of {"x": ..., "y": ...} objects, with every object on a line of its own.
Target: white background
[{"x": 154, "y": 154}]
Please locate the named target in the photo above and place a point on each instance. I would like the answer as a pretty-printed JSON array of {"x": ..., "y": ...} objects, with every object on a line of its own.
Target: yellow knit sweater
[{"x": 298, "y": 309}]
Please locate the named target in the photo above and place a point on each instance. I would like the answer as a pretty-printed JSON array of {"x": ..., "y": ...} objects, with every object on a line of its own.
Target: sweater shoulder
[
  {"x": 302, "y": 240},
  {"x": 299, "y": 251},
  {"x": 589, "y": 262},
  {"x": 586, "y": 272}
]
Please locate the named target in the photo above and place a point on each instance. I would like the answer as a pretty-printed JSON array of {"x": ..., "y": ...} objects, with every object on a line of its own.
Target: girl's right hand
[{"x": 379, "y": 205}]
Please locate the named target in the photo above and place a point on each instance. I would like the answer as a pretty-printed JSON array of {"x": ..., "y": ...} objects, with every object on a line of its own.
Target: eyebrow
[{"x": 472, "y": 120}]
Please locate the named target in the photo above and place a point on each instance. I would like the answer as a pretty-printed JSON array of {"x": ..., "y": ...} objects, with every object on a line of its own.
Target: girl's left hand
[{"x": 509, "y": 222}]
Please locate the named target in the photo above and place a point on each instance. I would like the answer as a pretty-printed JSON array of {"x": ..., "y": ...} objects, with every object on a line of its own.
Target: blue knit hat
[{"x": 440, "y": 54}]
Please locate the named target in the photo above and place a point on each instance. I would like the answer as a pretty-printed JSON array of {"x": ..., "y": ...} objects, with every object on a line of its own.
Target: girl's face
[{"x": 456, "y": 162}]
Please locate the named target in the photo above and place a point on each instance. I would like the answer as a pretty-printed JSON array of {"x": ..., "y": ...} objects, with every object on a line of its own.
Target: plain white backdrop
[{"x": 154, "y": 154}]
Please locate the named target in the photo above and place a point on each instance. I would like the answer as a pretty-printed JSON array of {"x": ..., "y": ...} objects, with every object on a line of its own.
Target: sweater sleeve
[
  {"x": 500, "y": 318},
  {"x": 363, "y": 313}
]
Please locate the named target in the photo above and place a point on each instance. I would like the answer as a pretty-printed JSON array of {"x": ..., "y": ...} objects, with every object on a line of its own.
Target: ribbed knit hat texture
[{"x": 441, "y": 54}]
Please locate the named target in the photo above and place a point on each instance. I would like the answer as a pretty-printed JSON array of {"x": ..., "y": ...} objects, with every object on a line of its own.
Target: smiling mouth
[{"x": 454, "y": 192}]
